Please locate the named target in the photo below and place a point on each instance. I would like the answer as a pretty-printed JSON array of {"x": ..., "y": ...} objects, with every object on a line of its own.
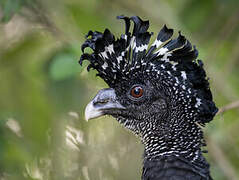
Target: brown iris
[{"x": 136, "y": 91}]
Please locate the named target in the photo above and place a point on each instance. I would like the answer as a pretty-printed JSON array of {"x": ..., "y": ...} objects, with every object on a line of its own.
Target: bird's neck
[
  {"x": 182, "y": 143},
  {"x": 172, "y": 167}
]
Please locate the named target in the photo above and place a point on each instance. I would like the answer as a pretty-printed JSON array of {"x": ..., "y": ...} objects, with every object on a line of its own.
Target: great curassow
[{"x": 160, "y": 92}]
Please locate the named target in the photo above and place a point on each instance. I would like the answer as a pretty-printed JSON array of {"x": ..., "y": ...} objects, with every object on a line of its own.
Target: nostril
[{"x": 100, "y": 101}]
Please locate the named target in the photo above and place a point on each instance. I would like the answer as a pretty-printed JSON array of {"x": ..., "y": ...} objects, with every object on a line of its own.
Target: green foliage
[
  {"x": 9, "y": 8},
  {"x": 63, "y": 66},
  {"x": 44, "y": 91}
]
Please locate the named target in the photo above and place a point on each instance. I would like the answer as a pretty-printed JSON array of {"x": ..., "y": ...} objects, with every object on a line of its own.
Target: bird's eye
[{"x": 136, "y": 91}]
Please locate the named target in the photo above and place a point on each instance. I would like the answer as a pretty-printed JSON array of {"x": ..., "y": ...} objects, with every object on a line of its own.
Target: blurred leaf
[
  {"x": 64, "y": 66},
  {"x": 10, "y": 7}
]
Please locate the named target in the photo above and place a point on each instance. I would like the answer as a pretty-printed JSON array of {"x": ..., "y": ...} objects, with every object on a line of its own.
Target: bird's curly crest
[{"x": 119, "y": 59}]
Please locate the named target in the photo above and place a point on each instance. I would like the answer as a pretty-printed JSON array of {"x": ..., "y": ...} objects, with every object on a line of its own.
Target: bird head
[{"x": 159, "y": 91}]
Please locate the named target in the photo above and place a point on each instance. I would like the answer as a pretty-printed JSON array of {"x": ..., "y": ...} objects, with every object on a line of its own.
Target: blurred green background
[{"x": 43, "y": 89}]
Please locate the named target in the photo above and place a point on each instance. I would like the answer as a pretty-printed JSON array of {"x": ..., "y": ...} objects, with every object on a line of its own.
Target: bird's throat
[{"x": 187, "y": 147}]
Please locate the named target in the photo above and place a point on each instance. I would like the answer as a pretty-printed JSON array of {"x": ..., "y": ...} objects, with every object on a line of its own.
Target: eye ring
[{"x": 137, "y": 92}]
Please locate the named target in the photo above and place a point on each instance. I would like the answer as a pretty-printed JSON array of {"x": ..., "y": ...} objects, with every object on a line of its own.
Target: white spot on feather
[
  {"x": 141, "y": 48},
  {"x": 165, "y": 57},
  {"x": 119, "y": 58},
  {"x": 157, "y": 43},
  {"x": 173, "y": 65},
  {"x": 124, "y": 36},
  {"x": 183, "y": 74},
  {"x": 198, "y": 103},
  {"x": 110, "y": 48},
  {"x": 104, "y": 55},
  {"x": 105, "y": 65},
  {"x": 162, "y": 51}
]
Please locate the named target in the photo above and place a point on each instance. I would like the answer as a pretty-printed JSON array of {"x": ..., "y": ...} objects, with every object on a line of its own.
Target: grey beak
[{"x": 104, "y": 100}]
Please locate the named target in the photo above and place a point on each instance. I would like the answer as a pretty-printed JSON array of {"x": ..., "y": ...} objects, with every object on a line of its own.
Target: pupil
[{"x": 137, "y": 91}]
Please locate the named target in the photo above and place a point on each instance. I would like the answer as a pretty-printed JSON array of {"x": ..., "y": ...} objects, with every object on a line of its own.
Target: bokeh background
[{"x": 43, "y": 89}]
